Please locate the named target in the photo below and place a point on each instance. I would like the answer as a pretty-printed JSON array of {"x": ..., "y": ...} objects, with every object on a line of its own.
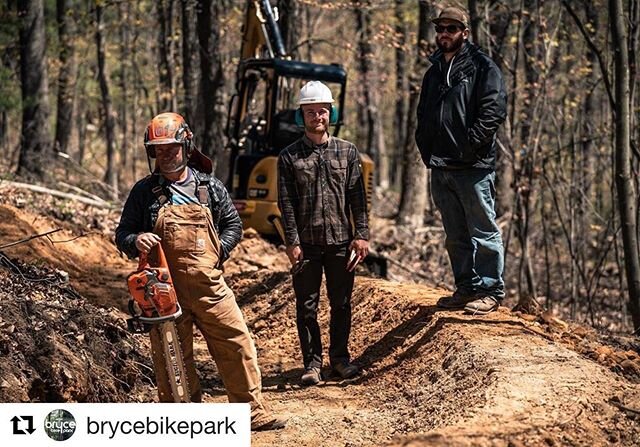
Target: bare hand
[
  {"x": 361, "y": 247},
  {"x": 294, "y": 253},
  {"x": 146, "y": 241}
]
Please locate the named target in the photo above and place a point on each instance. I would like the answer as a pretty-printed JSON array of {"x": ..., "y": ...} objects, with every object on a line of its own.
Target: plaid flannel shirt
[{"x": 318, "y": 188}]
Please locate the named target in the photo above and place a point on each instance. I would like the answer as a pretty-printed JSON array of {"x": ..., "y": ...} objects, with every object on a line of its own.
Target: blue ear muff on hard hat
[
  {"x": 333, "y": 116},
  {"x": 299, "y": 119}
]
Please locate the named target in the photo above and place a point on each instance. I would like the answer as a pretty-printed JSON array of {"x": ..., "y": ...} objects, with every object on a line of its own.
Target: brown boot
[
  {"x": 482, "y": 306},
  {"x": 346, "y": 370},
  {"x": 457, "y": 301},
  {"x": 310, "y": 376},
  {"x": 274, "y": 423}
]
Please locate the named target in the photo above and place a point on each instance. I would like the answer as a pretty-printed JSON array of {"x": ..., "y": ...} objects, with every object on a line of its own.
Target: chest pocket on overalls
[{"x": 185, "y": 229}]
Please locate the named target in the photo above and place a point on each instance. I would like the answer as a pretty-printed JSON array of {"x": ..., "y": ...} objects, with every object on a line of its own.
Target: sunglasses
[{"x": 450, "y": 29}]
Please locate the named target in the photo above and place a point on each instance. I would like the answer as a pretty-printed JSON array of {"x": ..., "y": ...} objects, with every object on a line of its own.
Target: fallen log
[{"x": 41, "y": 189}]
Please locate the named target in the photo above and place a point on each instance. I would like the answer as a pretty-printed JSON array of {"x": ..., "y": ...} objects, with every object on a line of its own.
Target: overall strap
[
  {"x": 162, "y": 198},
  {"x": 202, "y": 190}
]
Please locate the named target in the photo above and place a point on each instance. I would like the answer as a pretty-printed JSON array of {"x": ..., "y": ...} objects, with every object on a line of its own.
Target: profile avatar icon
[{"x": 60, "y": 425}]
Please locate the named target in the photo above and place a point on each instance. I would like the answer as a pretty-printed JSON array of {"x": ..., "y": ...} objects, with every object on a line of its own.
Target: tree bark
[
  {"x": 66, "y": 33},
  {"x": 190, "y": 61},
  {"x": 111, "y": 174},
  {"x": 527, "y": 301},
  {"x": 124, "y": 12},
  {"x": 212, "y": 77},
  {"x": 624, "y": 185},
  {"x": 166, "y": 59},
  {"x": 289, "y": 19},
  {"x": 368, "y": 113},
  {"x": 35, "y": 143},
  {"x": 413, "y": 197},
  {"x": 402, "y": 87}
]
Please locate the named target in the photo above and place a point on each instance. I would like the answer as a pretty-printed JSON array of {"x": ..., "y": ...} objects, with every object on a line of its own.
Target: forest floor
[{"x": 429, "y": 377}]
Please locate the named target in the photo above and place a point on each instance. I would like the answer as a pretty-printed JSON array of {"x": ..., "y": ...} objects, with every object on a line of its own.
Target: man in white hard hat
[{"x": 319, "y": 184}]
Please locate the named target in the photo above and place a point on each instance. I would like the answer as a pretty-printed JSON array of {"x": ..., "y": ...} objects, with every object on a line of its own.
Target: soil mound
[{"x": 57, "y": 347}]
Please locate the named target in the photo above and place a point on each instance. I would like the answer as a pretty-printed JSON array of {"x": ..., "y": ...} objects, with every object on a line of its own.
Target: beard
[
  {"x": 452, "y": 45},
  {"x": 320, "y": 128},
  {"x": 171, "y": 166}
]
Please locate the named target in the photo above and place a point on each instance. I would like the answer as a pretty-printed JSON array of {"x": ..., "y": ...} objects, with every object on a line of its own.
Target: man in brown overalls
[{"x": 183, "y": 207}]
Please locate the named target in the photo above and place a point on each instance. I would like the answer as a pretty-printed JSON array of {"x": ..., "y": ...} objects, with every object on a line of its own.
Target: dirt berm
[{"x": 429, "y": 377}]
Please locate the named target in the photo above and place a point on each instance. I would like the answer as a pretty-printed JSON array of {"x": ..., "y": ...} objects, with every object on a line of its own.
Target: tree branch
[{"x": 596, "y": 51}]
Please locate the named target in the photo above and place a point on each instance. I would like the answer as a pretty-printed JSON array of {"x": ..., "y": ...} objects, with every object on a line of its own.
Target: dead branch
[
  {"x": 53, "y": 192},
  {"x": 22, "y": 241},
  {"x": 84, "y": 193}
]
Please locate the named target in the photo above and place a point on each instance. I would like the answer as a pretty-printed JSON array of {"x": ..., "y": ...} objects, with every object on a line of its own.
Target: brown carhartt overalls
[{"x": 192, "y": 248}]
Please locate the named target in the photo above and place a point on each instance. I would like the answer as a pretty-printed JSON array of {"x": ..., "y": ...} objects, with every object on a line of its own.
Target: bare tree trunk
[
  {"x": 190, "y": 60},
  {"x": 498, "y": 25},
  {"x": 289, "y": 19},
  {"x": 402, "y": 87},
  {"x": 111, "y": 174},
  {"x": 167, "y": 96},
  {"x": 66, "y": 31},
  {"x": 369, "y": 123},
  {"x": 527, "y": 300},
  {"x": 124, "y": 13},
  {"x": 627, "y": 197},
  {"x": 475, "y": 20},
  {"x": 212, "y": 76},
  {"x": 413, "y": 197},
  {"x": 136, "y": 132},
  {"x": 35, "y": 143},
  {"x": 81, "y": 110}
]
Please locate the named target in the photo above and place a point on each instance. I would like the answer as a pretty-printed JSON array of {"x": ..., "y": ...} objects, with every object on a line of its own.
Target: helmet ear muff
[
  {"x": 298, "y": 117},
  {"x": 185, "y": 135},
  {"x": 333, "y": 116}
]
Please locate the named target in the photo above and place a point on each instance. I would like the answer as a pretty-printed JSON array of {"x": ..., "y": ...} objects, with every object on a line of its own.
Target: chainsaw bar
[{"x": 174, "y": 362}]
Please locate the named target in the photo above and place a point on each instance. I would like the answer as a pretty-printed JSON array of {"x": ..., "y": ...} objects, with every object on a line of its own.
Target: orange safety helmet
[{"x": 169, "y": 127}]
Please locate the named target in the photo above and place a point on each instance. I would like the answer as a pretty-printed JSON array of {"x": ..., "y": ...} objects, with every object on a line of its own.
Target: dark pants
[{"x": 306, "y": 284}]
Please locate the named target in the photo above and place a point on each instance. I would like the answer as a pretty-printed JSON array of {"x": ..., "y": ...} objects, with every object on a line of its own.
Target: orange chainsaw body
[{"x": 152, "y": 290}]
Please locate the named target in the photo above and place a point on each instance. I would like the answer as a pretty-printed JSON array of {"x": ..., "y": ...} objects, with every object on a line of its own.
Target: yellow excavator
[{"x": 261, "y": 117}]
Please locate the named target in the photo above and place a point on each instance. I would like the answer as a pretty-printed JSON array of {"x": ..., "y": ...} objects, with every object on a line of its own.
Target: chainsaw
[{"x": 154, "y": 302}]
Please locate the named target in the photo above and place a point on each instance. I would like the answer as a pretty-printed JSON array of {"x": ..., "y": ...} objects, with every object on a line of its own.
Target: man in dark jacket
[
  {"x": 462, "y": 104},
  {"x": 186, "y": 210}
]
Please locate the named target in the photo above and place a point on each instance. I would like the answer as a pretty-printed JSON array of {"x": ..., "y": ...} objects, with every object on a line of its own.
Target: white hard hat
[{"x": 315, "y": 92}]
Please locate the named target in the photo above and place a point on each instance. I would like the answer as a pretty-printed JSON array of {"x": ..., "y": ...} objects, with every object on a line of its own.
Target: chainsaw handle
[
  {"x": 142, "y": 262},
  {"x": 143, "y": 259}
]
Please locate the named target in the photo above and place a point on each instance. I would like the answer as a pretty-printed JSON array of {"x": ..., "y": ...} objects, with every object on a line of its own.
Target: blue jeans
[{"x": 466, "y": 200}]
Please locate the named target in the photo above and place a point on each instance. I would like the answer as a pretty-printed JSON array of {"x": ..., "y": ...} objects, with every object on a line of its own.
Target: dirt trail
[
  {"x": 429, "y": 377},
  {"x": 435, "y": 378}
]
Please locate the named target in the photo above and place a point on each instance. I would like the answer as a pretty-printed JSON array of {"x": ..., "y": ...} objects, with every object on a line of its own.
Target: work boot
[
  {"x": 346, "y": 370},
  {"x": 482, "y": 306},
  {"x": 458, "y": 300},
  {"x": 273, "y": 423},
  {"x": 310, "y": 376}
]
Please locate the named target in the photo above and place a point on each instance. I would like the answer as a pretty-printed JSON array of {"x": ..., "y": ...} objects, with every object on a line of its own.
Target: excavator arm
[{"x": 261, "y": 34}]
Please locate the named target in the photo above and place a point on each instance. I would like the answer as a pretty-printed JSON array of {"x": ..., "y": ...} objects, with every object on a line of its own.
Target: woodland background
[{"x": 79, "y": 80}]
